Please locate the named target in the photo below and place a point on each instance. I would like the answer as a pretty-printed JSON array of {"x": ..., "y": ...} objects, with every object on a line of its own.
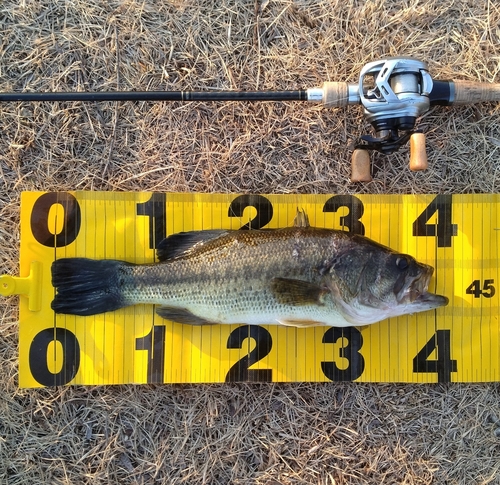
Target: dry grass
[{"x": 238, "y": 434}]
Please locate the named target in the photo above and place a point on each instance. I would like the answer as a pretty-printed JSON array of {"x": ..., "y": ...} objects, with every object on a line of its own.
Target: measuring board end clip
[{"x": 30, "y": 286}]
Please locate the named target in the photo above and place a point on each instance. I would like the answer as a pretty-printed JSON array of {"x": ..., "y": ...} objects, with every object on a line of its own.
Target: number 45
[{"x": 487, "y": 291}]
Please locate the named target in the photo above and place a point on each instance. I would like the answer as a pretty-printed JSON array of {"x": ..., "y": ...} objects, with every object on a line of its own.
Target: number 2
[
  {"x": 263, "y": 343},
  {"x": 263, "y": 206}
]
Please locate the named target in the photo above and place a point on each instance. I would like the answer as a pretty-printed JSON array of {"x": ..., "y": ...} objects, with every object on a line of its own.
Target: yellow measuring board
[{"x": 456, "y": 234}]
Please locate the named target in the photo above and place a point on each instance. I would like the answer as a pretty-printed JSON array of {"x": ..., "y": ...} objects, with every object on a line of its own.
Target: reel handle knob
[
  {"x": 418, "y": 154},
  {"x": 360, "y": 166}
]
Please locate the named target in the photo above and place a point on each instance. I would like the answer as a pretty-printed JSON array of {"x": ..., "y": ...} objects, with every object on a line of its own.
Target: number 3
[{"x": 350, "y": 352}]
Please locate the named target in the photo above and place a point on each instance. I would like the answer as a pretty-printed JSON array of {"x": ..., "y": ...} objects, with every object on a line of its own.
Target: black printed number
[
  {"x": 444, "y": 229},
  {"x": 154, "y": 344},
  {"x": 71, "y": 219},
  {"x": 443, "y": 365},
  {"x": 155, "y": 209},
  {"x": 263, "y": 206},
  {"x": 38, "y": 356},
  {"x": 487, "y": 290},
  {"x": 263, "y": 343},
  {"x": 352, "y": 219},
  {"x": 350, "y": 352}
]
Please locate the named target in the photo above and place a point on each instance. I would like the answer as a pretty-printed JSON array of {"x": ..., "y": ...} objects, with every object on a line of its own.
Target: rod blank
[{"x": 300, "y": 95}]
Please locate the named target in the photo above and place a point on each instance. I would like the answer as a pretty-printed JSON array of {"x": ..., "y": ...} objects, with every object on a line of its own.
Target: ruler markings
[{"x": 112, "y": 227}]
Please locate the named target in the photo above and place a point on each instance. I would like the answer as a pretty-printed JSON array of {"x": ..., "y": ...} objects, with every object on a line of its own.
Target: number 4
[
  {"x": 444, "y": 229},
  {"x": 443, "y": 365}
]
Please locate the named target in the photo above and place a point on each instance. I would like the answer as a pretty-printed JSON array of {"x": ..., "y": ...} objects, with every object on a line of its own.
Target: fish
[{"x": 299, "y": 276}]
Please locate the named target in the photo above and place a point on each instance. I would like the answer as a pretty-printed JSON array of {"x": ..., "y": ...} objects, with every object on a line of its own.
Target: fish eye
[{"x": 402, "y": 263}]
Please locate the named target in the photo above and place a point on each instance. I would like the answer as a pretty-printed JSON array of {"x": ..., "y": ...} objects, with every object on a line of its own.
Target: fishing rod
[{"x": 394, "y": 93}]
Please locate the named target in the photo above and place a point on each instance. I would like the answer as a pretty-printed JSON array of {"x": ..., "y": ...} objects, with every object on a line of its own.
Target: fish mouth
[
  {"x": 415, "y": 291},
  {"x": 430, "y": 300}
]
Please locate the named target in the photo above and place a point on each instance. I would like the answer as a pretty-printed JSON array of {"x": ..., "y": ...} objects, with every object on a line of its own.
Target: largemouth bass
[{"x": 299, "y": 276}]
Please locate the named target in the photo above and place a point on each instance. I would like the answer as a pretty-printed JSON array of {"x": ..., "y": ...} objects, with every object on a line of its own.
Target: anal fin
[
  {"x": 301, "y": 323},
  {"x": 181, "y": 315}
]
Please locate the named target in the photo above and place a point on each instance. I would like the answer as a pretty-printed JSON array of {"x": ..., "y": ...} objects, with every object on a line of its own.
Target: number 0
[
  {"x": 71, "y": 219},
  {"x": 38, "y": 356}
]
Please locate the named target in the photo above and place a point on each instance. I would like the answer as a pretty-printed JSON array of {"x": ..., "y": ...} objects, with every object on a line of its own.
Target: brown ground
[{"x": 238, "y": 434}]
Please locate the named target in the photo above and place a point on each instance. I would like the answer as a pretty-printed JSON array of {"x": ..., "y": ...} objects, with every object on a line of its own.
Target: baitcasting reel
[
  {"x": 394, "y": 93},
  {"x": 399, "y": 96}
]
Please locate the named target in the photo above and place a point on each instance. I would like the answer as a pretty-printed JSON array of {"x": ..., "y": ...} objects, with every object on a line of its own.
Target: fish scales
[
  {"x": 232, "y": 275},
  {"x": 300, "y": 276}
]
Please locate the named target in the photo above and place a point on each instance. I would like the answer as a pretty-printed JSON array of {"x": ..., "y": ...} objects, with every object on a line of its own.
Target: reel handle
[
  {"x": 361, "y": 166},
  {"x": 418, "y": 154}
]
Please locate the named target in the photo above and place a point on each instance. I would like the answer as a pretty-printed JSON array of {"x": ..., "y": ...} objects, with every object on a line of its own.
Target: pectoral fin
[
  {"x": 297, "y": 292},
  {"x": 181, "y": 315}
]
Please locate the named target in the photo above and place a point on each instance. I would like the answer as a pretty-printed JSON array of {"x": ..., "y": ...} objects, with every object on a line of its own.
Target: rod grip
[
  {"x": 418, "y": 153},
  {"x": 335, "y": 94},
  {"x": 360, "y": 166},
  {"x": 471, "y": 92}
]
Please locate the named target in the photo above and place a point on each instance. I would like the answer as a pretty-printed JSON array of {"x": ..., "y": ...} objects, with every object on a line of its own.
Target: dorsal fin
[
  {"x": 301, "y": 219},
  {"x": 182, "y": 242}
]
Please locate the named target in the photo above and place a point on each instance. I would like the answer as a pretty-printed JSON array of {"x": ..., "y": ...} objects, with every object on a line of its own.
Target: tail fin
[{"x": 88, "y": 286}]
